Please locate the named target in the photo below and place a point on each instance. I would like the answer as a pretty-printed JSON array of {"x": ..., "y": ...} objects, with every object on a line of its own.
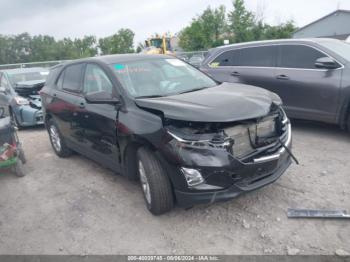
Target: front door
[
  {"x": 97, "y": 122},
  {"x": 307, "y": 92}
]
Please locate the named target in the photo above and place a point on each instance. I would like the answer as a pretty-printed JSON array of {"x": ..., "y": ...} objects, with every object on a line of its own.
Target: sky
[{"x": 76, "y": 18}]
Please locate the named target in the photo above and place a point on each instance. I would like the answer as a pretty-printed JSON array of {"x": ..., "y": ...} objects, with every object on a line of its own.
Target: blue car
[{"x": 19, "y": 94}]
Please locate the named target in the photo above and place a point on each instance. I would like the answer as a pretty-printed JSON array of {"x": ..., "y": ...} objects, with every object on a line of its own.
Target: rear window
[{"x": 262, "y": 56}]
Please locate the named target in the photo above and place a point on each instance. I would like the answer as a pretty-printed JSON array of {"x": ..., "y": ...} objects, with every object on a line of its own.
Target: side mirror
[
  {"x": 2, "y": 90},
  {"x": 326, "y": 63},
  {"x": 101, "y": 97}
]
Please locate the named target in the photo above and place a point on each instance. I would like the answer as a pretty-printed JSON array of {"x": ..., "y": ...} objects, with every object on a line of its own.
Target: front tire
[
  {"x": 57, "y": 140},
  {"x": 155, "y": 183}
]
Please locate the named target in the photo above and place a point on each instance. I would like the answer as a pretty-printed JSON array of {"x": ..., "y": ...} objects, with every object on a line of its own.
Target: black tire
[
  {"x": 160, "y": 190},
  {"x": 62, "y": 150},
  {"x": 18, "y": 168}
]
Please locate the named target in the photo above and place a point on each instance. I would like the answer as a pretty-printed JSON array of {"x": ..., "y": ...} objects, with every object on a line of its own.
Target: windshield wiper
[{"x": 150, "y": 96}]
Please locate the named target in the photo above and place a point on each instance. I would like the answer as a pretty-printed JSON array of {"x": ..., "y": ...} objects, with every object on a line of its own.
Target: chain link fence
[{"x": 194, "y": 58}]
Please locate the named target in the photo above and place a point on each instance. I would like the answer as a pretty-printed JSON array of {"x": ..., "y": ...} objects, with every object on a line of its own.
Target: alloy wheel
[
  {"x": 144, "y": 183},
  {"x": 55, "y": 138}
]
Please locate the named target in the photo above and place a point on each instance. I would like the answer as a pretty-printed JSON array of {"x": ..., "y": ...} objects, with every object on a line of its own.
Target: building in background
[{"x": 334, "y": 25}]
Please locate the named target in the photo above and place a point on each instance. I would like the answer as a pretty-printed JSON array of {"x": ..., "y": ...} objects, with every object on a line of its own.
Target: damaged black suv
[{"x": 186, "y": 137}]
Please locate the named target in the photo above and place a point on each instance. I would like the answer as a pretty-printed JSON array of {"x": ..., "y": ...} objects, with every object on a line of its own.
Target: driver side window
[{"x": 96, "y": 80}]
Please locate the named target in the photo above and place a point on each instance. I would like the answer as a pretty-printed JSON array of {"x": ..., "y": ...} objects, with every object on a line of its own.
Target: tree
[
  {"x": 87, "y": 46},
  {"x": 241, "y": 22},
  {"x": 119, "y": 43},
  {"x": 205, "y": 31}
]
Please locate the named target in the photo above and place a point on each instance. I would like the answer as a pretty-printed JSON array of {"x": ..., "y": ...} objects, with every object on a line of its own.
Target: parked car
[
  {"x": 312, "y": 76},
  {"x": 196, "y": 60},
  {"x": 19, "y": 93},
  {"x": 156, "y": 118}
]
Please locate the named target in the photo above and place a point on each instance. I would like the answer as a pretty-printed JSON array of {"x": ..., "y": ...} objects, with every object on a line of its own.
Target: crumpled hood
[{"x": 226, "y": 102}]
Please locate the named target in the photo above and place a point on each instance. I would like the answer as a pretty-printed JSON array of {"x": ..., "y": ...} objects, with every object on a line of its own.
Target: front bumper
[
  {"x": 231, "y": 176},
  {"x": 253, "y": 182},
  {"x": 28, "y": 116}
]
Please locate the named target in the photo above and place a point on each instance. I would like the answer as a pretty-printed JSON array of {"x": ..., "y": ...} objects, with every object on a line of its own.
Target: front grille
[{"x": 248, "y": 137}]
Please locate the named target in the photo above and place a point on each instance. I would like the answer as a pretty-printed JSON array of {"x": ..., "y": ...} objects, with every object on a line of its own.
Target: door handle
[
  {"x": 282, "y": 77},
  {"x": 235, "y": 73}
]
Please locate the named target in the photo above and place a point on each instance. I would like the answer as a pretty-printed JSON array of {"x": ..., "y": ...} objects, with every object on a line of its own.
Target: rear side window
[
  {"x": 262, "y": 56},
  {"x": 72, "y": 78},
  {"x": 298, "y": 56}
]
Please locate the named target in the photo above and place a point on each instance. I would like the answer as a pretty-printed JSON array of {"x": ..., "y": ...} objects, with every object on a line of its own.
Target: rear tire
[
  {"x": 155, "y": 183},
  {"x": 57, "y": 140}
]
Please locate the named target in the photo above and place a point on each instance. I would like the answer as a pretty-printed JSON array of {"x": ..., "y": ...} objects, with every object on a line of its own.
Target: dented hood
[{"x": 226, "y": 102}]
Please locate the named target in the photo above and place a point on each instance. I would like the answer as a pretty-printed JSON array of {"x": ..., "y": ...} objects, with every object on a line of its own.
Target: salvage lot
[{"x": 74, "y": 206}]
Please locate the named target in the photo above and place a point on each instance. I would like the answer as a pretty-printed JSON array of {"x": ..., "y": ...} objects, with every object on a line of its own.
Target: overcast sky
[{"x": 76, "y": 18}]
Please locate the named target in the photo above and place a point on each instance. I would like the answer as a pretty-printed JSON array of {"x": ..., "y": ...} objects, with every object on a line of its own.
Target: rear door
[
  {"x": 248, "y": 65},
  {"x": 63, "y": 104},
  {"x": 307, "y": 92},
  {"x": 97, "y": 122}
]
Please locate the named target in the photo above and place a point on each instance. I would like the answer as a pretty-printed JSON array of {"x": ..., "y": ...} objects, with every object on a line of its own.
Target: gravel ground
[{"x": 73, "y": 206}]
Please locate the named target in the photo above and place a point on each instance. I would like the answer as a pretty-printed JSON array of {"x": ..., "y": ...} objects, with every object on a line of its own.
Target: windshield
[
  {"x": 27, "y": 76},
  {"x": 160, "y": 77},
  {"x": 339, "y": 47}
]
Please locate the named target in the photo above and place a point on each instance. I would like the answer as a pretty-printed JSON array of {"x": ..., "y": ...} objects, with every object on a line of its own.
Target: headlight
[
  {"x": 21, "y": 101},
  {"x": 214, "y": 142}
]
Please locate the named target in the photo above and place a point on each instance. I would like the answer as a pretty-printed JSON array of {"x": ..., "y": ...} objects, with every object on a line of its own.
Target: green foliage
[
  {"x": 25, "y": 48},
  {"x": 211, "y": 27},
  {"x": 205, "y": 31},
  {"x": 241, "y": 22},
  {"x": 119, "y": 43}
]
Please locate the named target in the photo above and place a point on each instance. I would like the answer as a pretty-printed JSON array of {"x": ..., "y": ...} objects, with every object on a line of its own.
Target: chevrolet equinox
[{"x": 187, "y": 138}]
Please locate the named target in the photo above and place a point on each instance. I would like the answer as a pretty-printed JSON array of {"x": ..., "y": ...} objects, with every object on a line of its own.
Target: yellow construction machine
[{"x": 159, "y": 45}]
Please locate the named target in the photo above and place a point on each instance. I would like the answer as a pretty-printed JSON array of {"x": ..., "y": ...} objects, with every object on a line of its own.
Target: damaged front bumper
[
  {"x": 28, "y": 116},
  {"x": 227, "y": 176}
]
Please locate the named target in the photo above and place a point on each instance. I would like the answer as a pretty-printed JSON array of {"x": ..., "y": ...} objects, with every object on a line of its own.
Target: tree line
[
  {"x": 24, "y": 48},
  {"x": 208, "y": 29},
  {"x": 213, "y": 26}
]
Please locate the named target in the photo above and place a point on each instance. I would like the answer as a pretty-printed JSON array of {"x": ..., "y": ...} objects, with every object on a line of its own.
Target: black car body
[
  {"x": 192, "y": 145},
  {"x": 312, "y": 76}
]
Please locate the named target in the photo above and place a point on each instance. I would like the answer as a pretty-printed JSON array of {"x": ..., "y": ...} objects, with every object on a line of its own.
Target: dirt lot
[{"x": 73, "y": 206}]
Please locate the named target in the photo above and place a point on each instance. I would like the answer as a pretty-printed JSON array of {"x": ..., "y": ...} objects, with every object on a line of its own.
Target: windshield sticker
[
  {"x": 175, "y": 62},
  {"x": 119, "y": 66},
  {"x": 214, "y": 64}
]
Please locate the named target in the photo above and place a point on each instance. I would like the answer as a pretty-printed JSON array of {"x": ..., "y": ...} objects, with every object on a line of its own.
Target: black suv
[
  {"x": 187, "y": 138},
  {"x": 312, "y": 76}
]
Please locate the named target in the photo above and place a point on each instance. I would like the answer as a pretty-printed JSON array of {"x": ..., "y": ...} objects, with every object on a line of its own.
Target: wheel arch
[{"x": 129, "y": 155}]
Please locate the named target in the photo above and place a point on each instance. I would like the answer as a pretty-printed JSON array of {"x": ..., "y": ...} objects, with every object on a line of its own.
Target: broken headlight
[
  {"x": 217, "y": 140},
  {"x": 21, "y": 101}
]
